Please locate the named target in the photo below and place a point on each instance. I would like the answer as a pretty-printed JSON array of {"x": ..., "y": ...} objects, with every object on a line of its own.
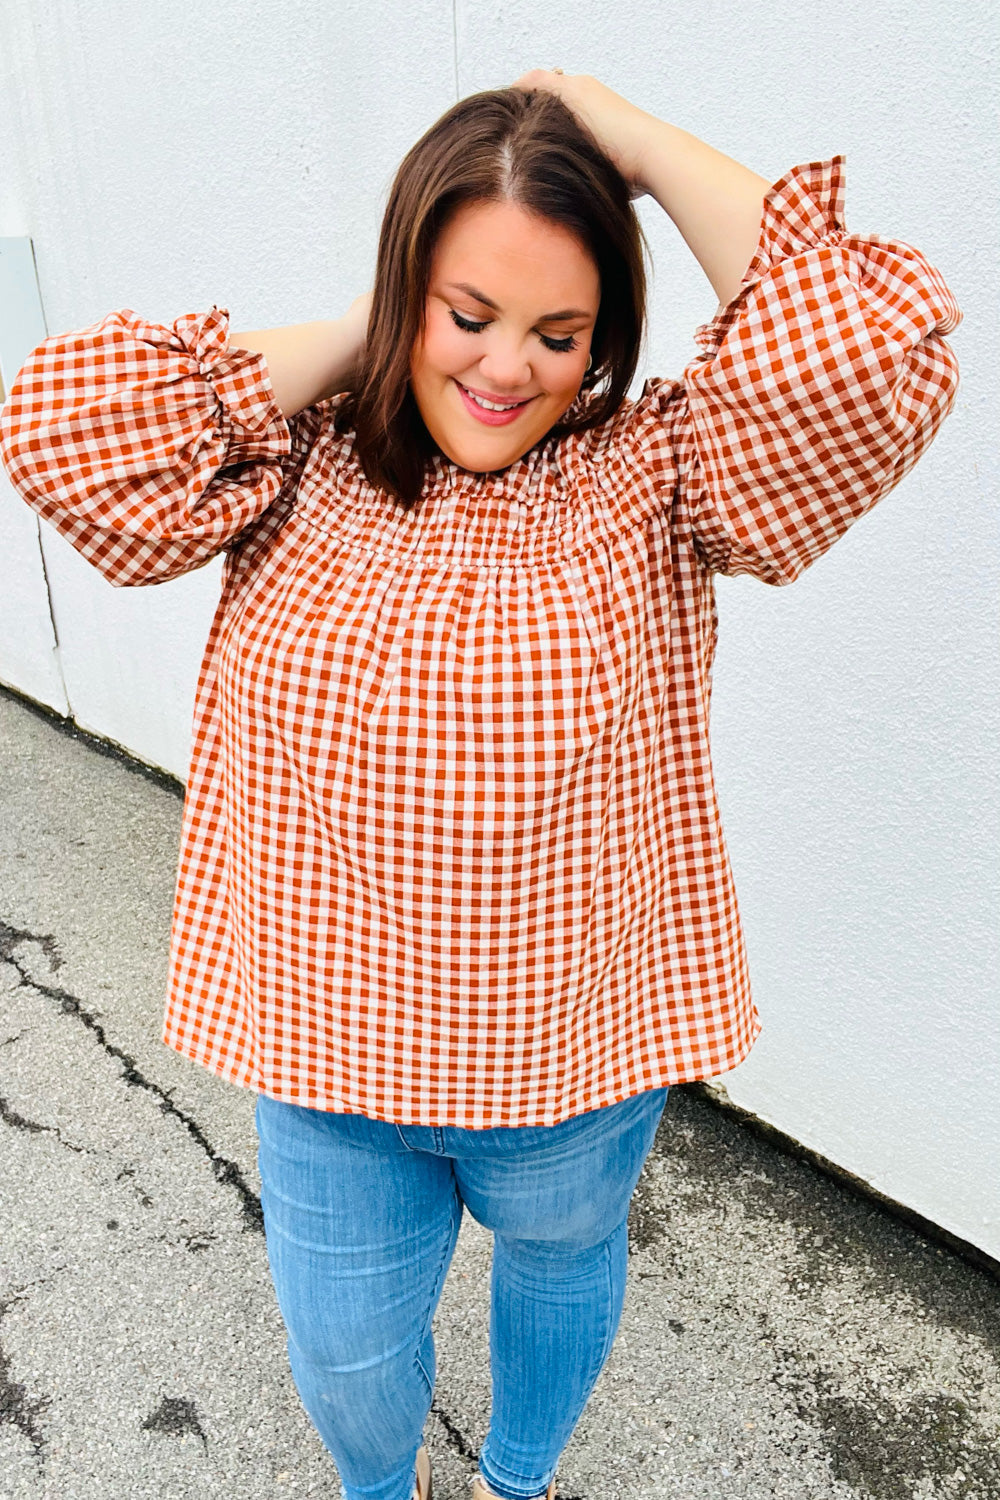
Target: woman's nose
[{"x": 505, "y": 365}]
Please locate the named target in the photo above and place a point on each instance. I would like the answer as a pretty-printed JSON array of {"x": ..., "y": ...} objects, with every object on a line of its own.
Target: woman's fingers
[
  {"x": 617, "y": 124},
  {"x": 541, "y": 78}
]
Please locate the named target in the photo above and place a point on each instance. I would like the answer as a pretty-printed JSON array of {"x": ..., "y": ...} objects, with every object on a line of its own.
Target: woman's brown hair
[{"x": 504, "y": 145}]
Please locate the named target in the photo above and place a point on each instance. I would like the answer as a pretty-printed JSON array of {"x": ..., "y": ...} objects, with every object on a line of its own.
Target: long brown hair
[{"x": 502, "y": 145}]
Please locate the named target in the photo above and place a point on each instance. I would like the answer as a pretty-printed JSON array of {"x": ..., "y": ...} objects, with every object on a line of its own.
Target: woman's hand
[
  {"x": 620, "y": 128},
  {"x": 715, "y": 203}
]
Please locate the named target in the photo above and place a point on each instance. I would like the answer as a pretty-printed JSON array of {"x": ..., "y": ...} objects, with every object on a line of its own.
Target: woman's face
[{"x": 511, "y": 307}]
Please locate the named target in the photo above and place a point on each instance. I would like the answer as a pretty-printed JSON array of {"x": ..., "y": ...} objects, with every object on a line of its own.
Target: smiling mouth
[
  {"x": 485, "y": 409},
  {"x": 488, "y": 404}
]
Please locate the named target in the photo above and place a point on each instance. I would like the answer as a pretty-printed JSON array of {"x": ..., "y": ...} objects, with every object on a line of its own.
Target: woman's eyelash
[
  {"x": 559, "y": 346},
  {"x": 465, "y": 323}
]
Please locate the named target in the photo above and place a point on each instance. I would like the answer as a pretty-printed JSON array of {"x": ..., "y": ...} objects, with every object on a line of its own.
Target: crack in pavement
[
  {"x": 455, "y": 1438},
  {"x": 17, "y": 1409},
  {"x": 10, "y": 1116},
  {"x": 227, "y": 1173}
]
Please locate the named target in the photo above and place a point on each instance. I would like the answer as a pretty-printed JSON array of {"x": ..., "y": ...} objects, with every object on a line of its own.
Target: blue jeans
[{"x": 362, "y": 1218}]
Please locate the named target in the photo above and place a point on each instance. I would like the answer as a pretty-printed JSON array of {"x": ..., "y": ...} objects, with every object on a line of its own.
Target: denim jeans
[{"x": 361, "y": 1219}]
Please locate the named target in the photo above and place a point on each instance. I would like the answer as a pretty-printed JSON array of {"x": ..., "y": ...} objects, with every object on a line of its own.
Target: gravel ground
[{"x": 781, "y": 1336}]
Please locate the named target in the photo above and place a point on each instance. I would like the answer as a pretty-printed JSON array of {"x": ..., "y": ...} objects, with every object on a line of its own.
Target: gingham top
[{"x": 451, "y": 849}]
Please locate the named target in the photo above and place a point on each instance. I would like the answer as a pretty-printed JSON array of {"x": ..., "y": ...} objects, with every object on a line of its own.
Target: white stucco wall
[{"x": 171, "y": 156}]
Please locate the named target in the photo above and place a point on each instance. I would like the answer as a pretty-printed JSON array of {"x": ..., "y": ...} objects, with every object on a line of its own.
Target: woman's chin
[
  {"x": 487, "y": 451},
  {"x": 480, "y": 455}
]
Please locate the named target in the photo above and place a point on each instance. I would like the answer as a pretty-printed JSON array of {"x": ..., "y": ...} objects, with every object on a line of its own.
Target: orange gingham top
[{"x": 451, "y": 848}]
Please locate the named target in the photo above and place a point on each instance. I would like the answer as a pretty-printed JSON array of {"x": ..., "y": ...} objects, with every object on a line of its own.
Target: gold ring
[{"x": 557, "y": 70}]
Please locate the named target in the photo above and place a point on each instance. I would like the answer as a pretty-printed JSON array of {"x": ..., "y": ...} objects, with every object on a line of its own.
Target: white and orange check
[{"x": 451, "y": 848}]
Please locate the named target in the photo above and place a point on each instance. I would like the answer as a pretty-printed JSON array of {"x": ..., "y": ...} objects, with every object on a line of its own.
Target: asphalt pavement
[{"x": 782, "y": 1337}]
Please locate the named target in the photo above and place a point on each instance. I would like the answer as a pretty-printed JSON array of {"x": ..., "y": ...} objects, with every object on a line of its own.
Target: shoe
[
  {"x": 423, "y": 1489},
  {"x": 480, "y": 1492}
]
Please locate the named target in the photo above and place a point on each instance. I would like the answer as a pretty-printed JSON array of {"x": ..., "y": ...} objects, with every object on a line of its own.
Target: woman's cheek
[
  {"x": 447, "y": 347},
  {"x": 569, "y": 377}
]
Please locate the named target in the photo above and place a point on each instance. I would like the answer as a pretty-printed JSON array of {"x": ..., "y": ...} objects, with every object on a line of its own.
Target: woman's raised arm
[
  {"x": 308, "y": 362},
  {"x": 715, "y": 203},
  {"x": 823, "y": 376},
  {"x": 151, "y": 448},
  {"x": 148, "y": 447}
]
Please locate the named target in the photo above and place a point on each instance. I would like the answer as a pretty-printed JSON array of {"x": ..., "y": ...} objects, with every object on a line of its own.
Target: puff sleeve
[
  {"x": 148, "y": 447},
  {"x": 819, "y": 385}
]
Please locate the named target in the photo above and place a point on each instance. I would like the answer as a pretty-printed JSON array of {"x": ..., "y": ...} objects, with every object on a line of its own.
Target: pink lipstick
[{"x": 487, "y": 414}]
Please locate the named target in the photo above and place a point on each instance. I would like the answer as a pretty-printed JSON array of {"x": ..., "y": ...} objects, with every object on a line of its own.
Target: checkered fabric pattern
[{"x": 451, "y": 848}]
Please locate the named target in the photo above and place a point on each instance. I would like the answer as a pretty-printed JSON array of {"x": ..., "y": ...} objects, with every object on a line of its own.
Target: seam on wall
[
  {"x": 56, "y": 649},
  {"x": 454, "y": 45},
  {"x": 33, "y": 293}
]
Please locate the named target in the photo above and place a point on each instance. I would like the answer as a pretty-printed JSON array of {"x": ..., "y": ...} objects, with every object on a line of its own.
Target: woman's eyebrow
[{"x": 553, "y": 317}]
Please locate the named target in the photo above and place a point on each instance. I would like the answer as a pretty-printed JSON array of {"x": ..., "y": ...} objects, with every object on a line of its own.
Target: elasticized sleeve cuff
[{"x": 803, "y": 209}]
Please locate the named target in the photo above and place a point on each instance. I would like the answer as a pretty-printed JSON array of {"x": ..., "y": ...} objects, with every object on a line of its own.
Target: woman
[{"x": 453, "y": 893}]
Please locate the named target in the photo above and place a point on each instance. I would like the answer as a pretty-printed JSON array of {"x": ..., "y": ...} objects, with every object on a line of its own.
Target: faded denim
[{"x": 362, "y": 1218}]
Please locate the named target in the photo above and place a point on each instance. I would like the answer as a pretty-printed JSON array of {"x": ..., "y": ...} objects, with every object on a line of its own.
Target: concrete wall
[{"x": 167, "y": 157}]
